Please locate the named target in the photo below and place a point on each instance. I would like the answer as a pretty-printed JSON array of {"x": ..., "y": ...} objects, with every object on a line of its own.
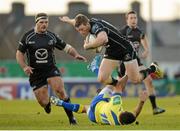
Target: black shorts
[
  {"x": 122, "y": 69},
  {"x": 40, "y": 76},
  {"x": 121, "y": 56}
]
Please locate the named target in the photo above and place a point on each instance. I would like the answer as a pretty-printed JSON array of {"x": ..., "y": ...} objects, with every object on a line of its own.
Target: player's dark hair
[
  {"x": 40, "y": 16},
  {"x": 81, "y": 19},
  {"x": 130, "y": 12},
  {"x": 126, "y": 118}
]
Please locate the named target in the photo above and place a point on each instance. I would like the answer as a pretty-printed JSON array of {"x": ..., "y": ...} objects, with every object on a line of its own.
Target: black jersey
[
  {"x": 39, "y": 48},
  {"x": 133, "y": 34},
  {"x": 117, "y": 44}
]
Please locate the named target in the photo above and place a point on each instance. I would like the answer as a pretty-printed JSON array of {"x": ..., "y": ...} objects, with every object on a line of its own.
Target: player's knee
[
  {"x": 60, "y": 93},
  {"x": 101, "y": 80},
  {"x": 136, "y": 80}
]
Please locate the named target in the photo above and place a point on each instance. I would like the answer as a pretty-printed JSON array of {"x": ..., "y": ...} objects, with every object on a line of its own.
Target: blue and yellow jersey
[{"x": 106, "y": 110}]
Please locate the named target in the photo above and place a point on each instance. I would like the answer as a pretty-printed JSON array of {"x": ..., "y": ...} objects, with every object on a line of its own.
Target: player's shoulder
[
  {"x": 139, "y": 29},
  {"x": 52, "y": 34},
  {"x": 123, "y": 29},
  {"x": 29, "y": 32}
]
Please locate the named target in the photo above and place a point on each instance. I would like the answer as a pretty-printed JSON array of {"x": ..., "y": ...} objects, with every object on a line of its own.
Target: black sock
[
  {"x": 48, "y": 105},
  {"x": 68, "y": 112},
  {"x": 114, "y": 82},
  {"x": 152, "y": 68},
  {"x": 47, "y": 108},
  {"x": 148, "y": 71},
  {"x": 152, "y": 99}
]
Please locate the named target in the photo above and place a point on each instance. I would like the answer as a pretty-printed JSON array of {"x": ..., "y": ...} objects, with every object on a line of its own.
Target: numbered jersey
[
  {"x": 108, "y": 112},
  {"x": 39, "y": 48}
]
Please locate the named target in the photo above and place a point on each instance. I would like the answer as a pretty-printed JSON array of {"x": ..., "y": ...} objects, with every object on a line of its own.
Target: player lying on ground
[{"x": 106, "y": 108}]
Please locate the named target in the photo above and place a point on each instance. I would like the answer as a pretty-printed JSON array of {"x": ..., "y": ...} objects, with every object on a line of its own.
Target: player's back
[{"x": 108, "y": 112}]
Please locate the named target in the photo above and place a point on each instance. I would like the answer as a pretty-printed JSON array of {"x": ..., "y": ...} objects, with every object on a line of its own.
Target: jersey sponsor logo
[
  {"x": 31, "y": 42},
  {"x": 130, "y": 36},
  {"x": 41, "y": 55},
  {"x": 116, "y": 100}
]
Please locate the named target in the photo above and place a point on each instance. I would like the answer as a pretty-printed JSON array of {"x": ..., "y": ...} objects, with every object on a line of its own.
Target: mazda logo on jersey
[{"x": 41, "y": 55}]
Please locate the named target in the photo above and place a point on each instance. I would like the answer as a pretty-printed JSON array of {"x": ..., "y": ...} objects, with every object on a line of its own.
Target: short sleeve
[
  {"x": 22, "y": 44},
  {"x": 123, "y": 31},
  {"x": 142, "y": 35},
  {"x": 60, "y": 44}
]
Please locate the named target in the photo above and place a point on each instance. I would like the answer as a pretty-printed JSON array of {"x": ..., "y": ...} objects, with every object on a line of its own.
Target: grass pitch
[{"x": 28, "y": 115}]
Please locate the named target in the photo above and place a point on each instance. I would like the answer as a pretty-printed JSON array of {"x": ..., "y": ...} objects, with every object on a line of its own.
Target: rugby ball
[{"x": 90, "y": 38}]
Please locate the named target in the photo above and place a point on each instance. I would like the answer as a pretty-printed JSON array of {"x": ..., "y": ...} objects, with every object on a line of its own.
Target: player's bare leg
[
  {"x": 105, "y": 70},
  {"x": 151, "y": 92},
  {"x": 136, "y": 76},
  {"x": 57, "y": 85},
  {"x": 42, "y": 97}
]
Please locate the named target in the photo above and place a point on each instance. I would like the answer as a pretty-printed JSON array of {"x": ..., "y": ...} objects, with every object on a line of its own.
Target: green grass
[{"x": 28, "y": 115}]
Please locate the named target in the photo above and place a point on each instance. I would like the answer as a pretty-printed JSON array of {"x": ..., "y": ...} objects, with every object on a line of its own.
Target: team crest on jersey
[{"x": 50, "y": 42}]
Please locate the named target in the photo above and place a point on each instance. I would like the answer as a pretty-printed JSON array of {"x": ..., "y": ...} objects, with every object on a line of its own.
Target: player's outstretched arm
[
  {"x": 73, "y": 52},
  {"x": 66, "y": 19},
  {"x": 143, "y": 96}
]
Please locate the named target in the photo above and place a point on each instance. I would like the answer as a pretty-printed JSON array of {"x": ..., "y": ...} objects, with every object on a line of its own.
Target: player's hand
[
  {"x": 86, "y": 43},
  {"x": 28, "y": 70},
  {"x": 143, "y": 96},
  {"x": 65, "y": 19},
  {"x": 144, "y": 54},
  {"x": 79, "y": 57}
]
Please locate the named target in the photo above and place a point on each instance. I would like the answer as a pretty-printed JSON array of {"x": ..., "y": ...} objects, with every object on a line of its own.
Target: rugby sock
[
  {"x": 48, "y": 108},
  {"x": 114, "y": 82},
  {"x": 68, "y": 112},
  {"x": 152, "y": 99},
  {"x": 148, "y": 71},
  {"x": 73, "y": 107}
]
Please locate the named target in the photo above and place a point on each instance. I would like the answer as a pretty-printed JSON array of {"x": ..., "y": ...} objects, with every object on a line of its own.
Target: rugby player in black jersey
[
  {"x": 118, "y": 48},
  {"x": 38, "y": 44},
  {"x": 133, "y": 33}
]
